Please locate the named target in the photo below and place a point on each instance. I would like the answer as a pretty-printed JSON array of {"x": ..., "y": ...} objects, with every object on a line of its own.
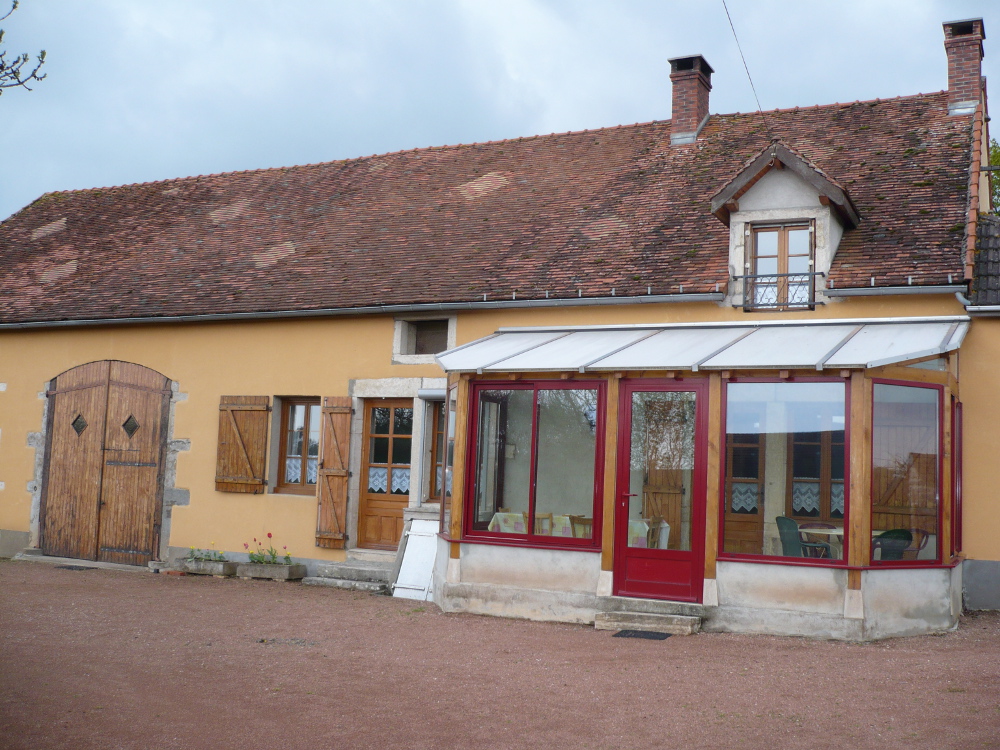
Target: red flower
[{"x": 269, "y": 535}]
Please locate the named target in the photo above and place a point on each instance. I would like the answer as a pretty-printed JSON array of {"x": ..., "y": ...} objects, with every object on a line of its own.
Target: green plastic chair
[
  {"x": 792, "y": 544},
  {"x": 892, "y": 543}
]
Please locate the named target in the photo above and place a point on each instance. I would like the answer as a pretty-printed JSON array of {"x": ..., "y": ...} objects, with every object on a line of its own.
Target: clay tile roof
[
  {"x": 778, "y": 155},
  {"x": 985, "y": 288},
  {"x": 558, "y": 216}
]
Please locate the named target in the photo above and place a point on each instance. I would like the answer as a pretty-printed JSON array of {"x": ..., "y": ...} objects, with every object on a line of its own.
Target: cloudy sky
[{"x": 142, "y": 90}]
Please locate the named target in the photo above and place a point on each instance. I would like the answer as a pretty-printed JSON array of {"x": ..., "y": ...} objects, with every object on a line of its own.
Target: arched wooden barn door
[{"x": 103, "y": 490}]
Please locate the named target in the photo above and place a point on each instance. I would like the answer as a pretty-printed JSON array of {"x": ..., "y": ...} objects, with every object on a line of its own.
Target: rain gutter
[{"x": 649, "y": 299}]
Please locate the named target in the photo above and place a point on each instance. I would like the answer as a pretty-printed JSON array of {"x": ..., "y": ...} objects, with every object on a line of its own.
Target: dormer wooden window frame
[{"x": 785, "y": 278}]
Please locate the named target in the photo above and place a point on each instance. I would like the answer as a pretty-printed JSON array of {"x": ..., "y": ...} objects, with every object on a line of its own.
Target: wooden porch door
[
  {"x": 660, "y": 515},
  {"x": 103, "y": 481},
  {"x": 385, "y": 472}
]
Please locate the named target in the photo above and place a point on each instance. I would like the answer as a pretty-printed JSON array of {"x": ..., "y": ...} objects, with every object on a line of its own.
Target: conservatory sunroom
[{"x": 788, "y": 477}]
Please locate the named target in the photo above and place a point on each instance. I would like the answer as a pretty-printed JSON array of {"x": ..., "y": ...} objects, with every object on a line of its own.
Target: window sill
[
  {"x": 413, "y": 359},
  {"x": 309, "y": 489},
  {"x": 585, "y": 545},
  {"x": 814, "y": 562}
]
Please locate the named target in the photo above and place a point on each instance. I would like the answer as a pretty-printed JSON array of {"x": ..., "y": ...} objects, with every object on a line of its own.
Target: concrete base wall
[
  {"x": 12, "y": 542},
  {"x": 815, "y": 602},
  {"x": 981, "y": 580},
  {"x": 911, "y": 602},
  {"x": 533, "y": 584}
]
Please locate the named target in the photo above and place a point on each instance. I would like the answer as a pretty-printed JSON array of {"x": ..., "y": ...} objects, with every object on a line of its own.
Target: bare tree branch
[{"x": 19, "y": 70}]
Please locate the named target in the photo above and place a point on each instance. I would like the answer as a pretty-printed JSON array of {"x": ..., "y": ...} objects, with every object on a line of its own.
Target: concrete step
[
  {"x": 674, "y": 624},
  {"x": 371, "y": 555},
  {"x": 357, "y": 570},
  {"x": 648, "y": 606},
  {"x": 371, "y": 587}
]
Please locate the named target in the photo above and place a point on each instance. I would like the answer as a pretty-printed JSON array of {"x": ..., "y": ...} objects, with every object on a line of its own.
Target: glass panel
[
  {"x": 380, "y": 421},
  {"x": 746, "y": 462},
  {"x": 799, "y": 429},
  {"x": 661, "y": 470},
  {"x": 905, "y": 453},
  {"x": 402, "y": 421},
  {"x": 564, "y": 474},
  {"x": 765, "y": 294},
  {"x": 798, "y": 241},
  {"x": 430, "y": 336},
  {"x": 837, "y": 500},
  {"x": 767, "y": 242},
  {"x": 400, "y": 481},
  {"x": 294, "y": 444},
  {"x": 378, "y": 479},
  {"x": 311, "y": 466},
  {"x": 293, "y": 470},
  {"x": 446, "y": 501},
  {"x": 805, "y": 498},
  {"x": 315, "y": 423},
  {"x": 798, "y": 264},
  {"x": 806, "y": 459},
  {"x": 379, "y": 451},
  {"x": 798, "y": 293},
  {"x": 401, "y": 451},
  {"x": 503, "y": 460},
  {"x": 745, "y": 497},
  {"x": 767, "y": 266}
]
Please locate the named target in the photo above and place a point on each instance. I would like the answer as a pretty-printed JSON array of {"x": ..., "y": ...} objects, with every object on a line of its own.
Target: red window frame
[
  {"x": 957, "y": 445},
  {"x": 941, "y": 541},
  {"x": 531, "y": 539},
  {"x": 724, "y": 469}
]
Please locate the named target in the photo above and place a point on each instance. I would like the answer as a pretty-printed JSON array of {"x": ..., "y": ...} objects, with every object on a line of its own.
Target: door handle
[{"x": 627, "y": 495}]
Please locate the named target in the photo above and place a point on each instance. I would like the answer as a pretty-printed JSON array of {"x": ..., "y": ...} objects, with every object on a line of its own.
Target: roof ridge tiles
[{"x": 833, "y": 104}]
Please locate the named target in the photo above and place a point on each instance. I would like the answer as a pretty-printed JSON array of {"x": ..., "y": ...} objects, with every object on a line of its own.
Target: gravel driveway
[{"x": 110, "y": 659}]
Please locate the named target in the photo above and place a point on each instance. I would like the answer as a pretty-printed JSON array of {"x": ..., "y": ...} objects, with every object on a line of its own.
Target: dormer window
[
  {"x": 786, "y": 218},
  {"x": 780, "y": 267}
]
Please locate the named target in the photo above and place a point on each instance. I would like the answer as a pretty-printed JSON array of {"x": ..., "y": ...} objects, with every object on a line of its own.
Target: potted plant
[
  {"x": 207, "y": 562},
  {"x": 267, "y": 563}
]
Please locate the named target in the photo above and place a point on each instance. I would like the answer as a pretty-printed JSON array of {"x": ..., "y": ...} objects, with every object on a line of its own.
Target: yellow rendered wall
[
  {"x": 317, "y": 358},
  {"x": 979, "y": 389}
]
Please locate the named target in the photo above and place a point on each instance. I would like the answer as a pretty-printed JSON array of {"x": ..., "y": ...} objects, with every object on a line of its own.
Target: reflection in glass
[
  {"x": 785, "y": 469},
  {"x": 379, "y": 450},
  {"x": 380, "y": 421},
  {"x": 564, "y": 472},
  {"x": 661, "y": 469},
  {"x": 905, "y": 480},
  {"x": 402, "y": 423}
]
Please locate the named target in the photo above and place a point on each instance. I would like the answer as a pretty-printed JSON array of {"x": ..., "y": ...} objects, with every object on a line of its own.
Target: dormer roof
[{"x": 779, "y": 156}]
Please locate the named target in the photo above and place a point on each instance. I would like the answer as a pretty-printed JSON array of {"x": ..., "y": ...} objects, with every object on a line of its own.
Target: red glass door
[{"x": 660, "y": 512}]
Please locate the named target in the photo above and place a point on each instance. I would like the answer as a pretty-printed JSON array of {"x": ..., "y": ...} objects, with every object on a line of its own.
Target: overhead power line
[{"x": 753, "y": 88}]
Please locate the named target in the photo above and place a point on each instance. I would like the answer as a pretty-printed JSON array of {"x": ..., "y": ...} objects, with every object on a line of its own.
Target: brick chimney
[
  {"x": 963, "y": 41},
  {"x": 691, "y": 78}
]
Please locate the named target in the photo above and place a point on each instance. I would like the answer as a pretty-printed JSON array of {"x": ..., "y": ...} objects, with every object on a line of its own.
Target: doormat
[
  {"x": 72, "y": 567},
  {"x": 648, "y": 635}
]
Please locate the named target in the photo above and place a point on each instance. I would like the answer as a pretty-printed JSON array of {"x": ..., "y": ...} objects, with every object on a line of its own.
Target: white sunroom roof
[{"x": 851, "y": 344}]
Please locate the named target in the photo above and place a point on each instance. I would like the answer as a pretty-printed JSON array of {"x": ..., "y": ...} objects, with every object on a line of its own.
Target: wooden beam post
[
  {"x": 610, "y": 474},
  {"x": 944, "y": 481},
  {"x": 860, "y": 532}
]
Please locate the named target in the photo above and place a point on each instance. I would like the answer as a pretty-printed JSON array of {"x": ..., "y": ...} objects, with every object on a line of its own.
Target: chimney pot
[
  {"x": 963, "y": 42},
  {"x": 691, "y": 80}
]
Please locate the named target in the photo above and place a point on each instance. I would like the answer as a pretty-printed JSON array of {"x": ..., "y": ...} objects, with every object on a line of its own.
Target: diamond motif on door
[
  {"x": 79, "y": 424},
  {"x": 131, "y": 426}
]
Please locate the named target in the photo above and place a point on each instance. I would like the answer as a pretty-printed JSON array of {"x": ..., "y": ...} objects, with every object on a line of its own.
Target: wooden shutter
[
  {"x": 242, "y": 444},
  {"x": 331, "y": 484}
]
